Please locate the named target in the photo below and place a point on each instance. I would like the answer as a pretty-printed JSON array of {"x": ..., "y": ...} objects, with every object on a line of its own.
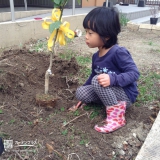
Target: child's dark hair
[{"x": 105, "y": 22}]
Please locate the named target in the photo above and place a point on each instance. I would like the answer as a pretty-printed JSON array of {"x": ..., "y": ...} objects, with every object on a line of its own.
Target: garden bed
[{"x": 56, "y": 133}]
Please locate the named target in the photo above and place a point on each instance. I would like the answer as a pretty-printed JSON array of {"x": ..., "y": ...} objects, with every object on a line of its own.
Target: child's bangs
[{"x": 88, "y": 23}]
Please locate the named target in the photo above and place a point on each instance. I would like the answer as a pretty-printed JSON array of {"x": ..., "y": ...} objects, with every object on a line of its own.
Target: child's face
[{"x": 93, "y": 39}]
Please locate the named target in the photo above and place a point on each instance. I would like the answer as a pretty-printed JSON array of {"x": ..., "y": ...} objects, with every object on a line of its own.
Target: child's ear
[{"x": 107, "y": 38}]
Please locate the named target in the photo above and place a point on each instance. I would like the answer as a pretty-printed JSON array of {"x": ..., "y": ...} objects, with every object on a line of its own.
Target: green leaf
[
  {"x": 56, "y": 5},
  {"x": 57, "y": 2},
  {"x": 1, "y": 111},
  {"x": 54, "y": 26},
  {"x": 65, "y": 132},
  {"x": 79, "y": 1},
  {"x": 62, "y": 109},
  {"x": 76, "y": 113}
]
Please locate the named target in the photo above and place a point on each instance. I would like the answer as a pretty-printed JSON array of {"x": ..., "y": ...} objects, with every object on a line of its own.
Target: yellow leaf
[
  {"x": 50, "y": 41},
  {"x": 46, "y": 24},
  {"x": 56, "y": 14},
  {"x": 62, "y": 31},
  {"x": 50, "y": 148}
]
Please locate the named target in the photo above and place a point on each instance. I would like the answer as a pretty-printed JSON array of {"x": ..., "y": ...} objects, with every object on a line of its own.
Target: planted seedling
[{"x": 59, "y": 33}]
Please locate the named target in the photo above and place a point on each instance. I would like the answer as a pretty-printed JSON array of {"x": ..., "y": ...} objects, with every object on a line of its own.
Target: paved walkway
[
  {"x": 151, "y": 147},
  {"x": 124, "y": 9},
  {"x": 7, "y": 9}
]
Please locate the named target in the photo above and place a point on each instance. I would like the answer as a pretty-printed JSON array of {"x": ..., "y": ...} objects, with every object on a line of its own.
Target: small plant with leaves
[
  {"x": 84, "y": 140},
  {"x": 154, "y": 11},
  {"x": 59, "y": 33},
  {"x": 65, "y": 132},
  {"x": 123, "y": 19},
  {"x": 96, "y": 109}
]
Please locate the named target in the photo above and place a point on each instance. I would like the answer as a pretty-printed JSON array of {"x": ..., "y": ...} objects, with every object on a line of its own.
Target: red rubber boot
[{"x": 115, "y": 118}]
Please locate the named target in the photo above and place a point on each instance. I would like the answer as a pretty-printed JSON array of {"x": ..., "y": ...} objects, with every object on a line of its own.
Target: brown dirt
[{"x": 22, "y": 120}]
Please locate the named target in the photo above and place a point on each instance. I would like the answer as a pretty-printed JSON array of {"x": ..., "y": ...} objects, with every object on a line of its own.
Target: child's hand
[
  {"x": 104, "y": 80},
  {"x": 75, "y": 107}
]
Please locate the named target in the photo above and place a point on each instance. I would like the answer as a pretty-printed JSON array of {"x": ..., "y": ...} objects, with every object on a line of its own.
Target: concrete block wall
[
  {"x": 6, "y": 16},
  {"x": 16, "y": 33},
  {"x": 138, "y": 14},
  {"x": 146, "y": 28}
]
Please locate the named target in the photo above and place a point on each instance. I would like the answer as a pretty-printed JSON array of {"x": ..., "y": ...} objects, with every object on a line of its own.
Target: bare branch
[{"x": 74, "y": 119}]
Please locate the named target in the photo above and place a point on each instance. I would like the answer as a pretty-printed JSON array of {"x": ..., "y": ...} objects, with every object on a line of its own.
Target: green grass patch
[
  {"x": 123, "y": 19},
  {"x": 83, "y": 60},
  {"x": 150, "y": 43},
  {"x": 1, "y": 122},
  {"x": 85, "y": 70},
  {"x": 84, "y": 139},
  {"x": 95, "y": 110},
  {"x": 149, "y": 87},
  {"x": 1, "y": 111},
  {"x": 65, "y": 132},
  {"x": 39, "y": 46},
  {"x": 12, "y": 121},
  {"x": 4, "y": 135},
  {"x": 76, "y": 113},
  {"x": 67, "y": 55},
  {"x": 153, "y": 45},
  {"x": 62, "y": 109}
]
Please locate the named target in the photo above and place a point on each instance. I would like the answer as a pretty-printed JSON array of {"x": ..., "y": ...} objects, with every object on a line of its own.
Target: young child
[{"x": 114, "y": 73}]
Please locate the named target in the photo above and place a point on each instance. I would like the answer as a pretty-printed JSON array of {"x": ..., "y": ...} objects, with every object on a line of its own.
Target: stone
[
  {"x": 132, "y": 26},
  {"x": 121, "y": 152},
  {"x": 141, "y": 132},
  {"x": 145, "y": 26}
]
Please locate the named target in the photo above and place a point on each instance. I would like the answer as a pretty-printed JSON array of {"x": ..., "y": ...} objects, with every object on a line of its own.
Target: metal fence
[
  {"x": 153, "y": 2},
  {"x": 49, "y": 3},
  {"x": 4, "y": 3},
  {"x": 127, "y": 1},
  {"x": 40, "y": 3},
  {"x": 147, "y": 2},
  {"x": 36, "y": 3}
]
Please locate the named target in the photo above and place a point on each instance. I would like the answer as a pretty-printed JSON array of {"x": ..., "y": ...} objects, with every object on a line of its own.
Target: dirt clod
[{"x": 46, "y": 100}]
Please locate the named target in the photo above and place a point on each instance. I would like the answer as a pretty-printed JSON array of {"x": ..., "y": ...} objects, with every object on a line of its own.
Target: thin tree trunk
[{"x": 48, "y": 72}]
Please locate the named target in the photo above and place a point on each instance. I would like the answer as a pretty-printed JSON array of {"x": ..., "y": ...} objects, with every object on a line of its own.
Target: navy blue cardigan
[{"x": 120, "y": 67}]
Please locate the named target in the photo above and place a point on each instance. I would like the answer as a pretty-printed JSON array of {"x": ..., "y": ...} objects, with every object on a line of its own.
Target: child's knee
[
  {"x": 78, "y": 92},
  {"x": 81, "y": 93},
  {"x": 94, "y": 81}
]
